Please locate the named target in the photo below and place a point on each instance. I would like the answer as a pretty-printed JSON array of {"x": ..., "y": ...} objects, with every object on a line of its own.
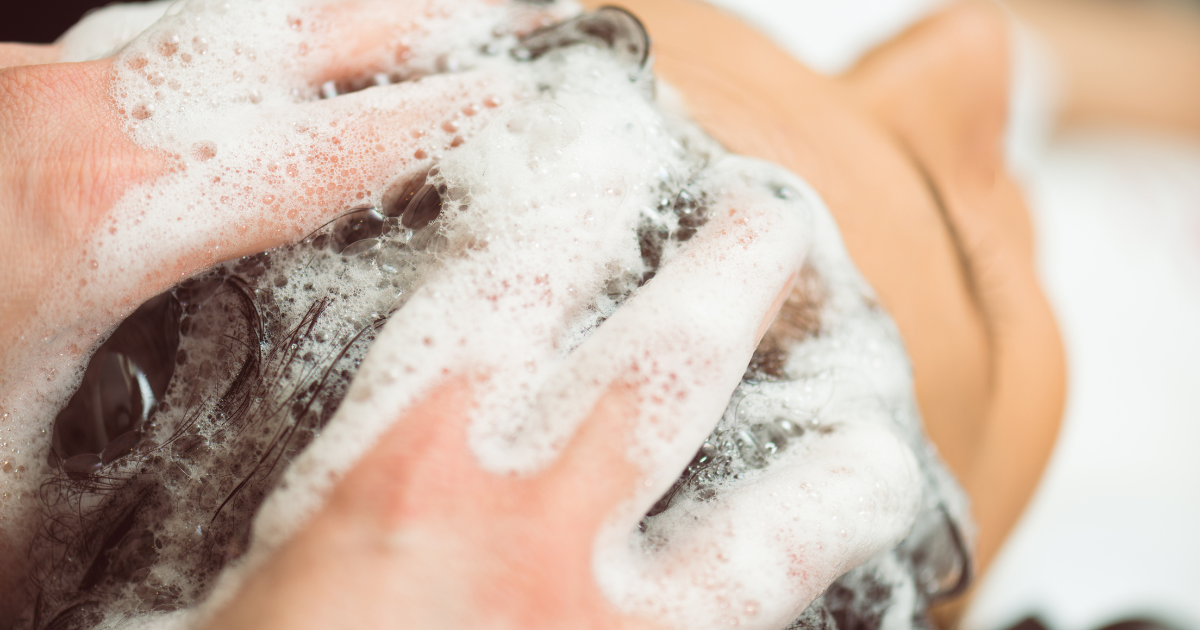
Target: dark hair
[{"x": 209, "y": 451}]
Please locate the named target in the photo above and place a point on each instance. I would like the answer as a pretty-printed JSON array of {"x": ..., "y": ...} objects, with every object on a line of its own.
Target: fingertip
[
  {"x": 363, "y": 39},
  {"x": 595, "y": 473}
]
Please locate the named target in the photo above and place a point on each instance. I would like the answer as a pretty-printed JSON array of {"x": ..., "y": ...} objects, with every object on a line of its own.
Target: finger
[
  {"x": 377, "y": 41},
  {"x": 754, "y": 534},
  {"x": 765, "y": 546},
  {"x": 281, "y": 52},
  {"x": 517, "y": 285},
  {"x": 682, "y": 343},
  {"x": 254, "y": 169},
  {"x": 519, "y": 269},
  {"x": 272, "y": 176}
]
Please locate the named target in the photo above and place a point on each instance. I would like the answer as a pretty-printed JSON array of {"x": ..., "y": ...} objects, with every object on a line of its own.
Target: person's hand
[
  {"x": 450, "y": 533},
  {"x": 202, "y": 142},
  {"x": 507, "y": 483}
]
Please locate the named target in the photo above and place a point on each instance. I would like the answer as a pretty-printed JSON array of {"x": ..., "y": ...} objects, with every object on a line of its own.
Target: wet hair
[
  {"x": 218, "y": 437},
  {"x": 189, "y": 413},
  {"x": 227, "y": 431}
]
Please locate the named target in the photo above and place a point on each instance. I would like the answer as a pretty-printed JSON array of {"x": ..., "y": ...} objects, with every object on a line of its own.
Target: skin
[
  {"x": 519, "y": 556},
  {"x": 67, "y": 161},
  {"x": 926, "y": 108},
  {"x": 906, "y": 150}
]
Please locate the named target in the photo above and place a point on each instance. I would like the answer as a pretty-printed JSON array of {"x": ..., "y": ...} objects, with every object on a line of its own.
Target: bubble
[
  {"x": 83, "y": 465},
  {"x": 424, "y": 208},
  {"x": 120, "y": 446},
  {"x": 540, "y": 197},
  {"x": 142, "y": 111},
  {"x": 358, "y": 225},
  {"x": 782, "y": 191},
  {"x": 550, "y": 127},
  {"x": 166, "y": 44},
  {"x": 204, "y": 151}
]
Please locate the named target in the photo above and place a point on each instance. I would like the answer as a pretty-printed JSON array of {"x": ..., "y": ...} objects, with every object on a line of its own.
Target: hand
[
  {"x": 456, "y": 518},
  {"x": 590, "y": 564},
  {"x": 127, "y": 174},
  {"x": 201, "y": 142}
]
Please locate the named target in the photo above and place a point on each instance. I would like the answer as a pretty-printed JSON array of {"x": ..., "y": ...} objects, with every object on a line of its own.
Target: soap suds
[
  {"x": 576, "y": 232},
  {"x": 227, "y": 93}
]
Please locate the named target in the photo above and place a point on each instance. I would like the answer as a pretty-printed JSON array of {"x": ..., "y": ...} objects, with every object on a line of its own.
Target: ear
[{"x": 942, "y": 89}]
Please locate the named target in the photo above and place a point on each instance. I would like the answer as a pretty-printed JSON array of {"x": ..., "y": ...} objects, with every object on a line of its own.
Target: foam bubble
[
  {"x": 518, "y": 238},
  {"x": 225, "y": 94}
]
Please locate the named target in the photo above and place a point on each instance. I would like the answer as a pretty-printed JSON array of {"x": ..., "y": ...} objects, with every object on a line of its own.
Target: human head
[{"x": 859, "y": 121}]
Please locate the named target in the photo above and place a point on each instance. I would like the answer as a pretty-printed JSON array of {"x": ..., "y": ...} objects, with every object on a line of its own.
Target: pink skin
[
  {"x": 67, "y": 159},
  {"x": 66, "y": 162},
  {"x": 939, "y": 89},
  {"x": 416, "y": 532}
]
